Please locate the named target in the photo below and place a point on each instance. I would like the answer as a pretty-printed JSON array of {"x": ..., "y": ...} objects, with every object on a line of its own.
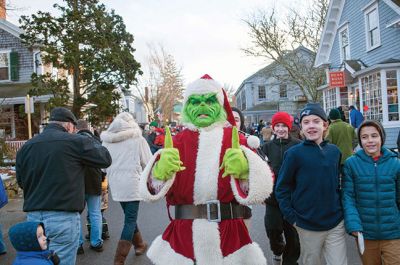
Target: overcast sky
[{"x": 204, "y": 36}]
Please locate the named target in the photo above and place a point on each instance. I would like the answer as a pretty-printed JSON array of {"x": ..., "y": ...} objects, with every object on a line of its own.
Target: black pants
[{"x": 283, "y": 237}]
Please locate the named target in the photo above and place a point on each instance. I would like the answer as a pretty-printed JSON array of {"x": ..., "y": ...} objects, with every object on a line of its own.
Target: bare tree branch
[{"x": 279, "y": 40}]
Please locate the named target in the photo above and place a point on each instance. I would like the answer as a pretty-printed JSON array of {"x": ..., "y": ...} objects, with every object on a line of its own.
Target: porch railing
[{"x": 13, "y": 147}]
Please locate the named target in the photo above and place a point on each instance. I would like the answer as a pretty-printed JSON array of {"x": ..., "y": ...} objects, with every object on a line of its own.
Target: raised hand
[
  {"x": 234, "y": 162},
  {"x": 169, "y": 162}
]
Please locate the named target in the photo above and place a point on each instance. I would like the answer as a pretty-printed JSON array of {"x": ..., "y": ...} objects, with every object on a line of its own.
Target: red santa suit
[{"x": 208, "y": 243}]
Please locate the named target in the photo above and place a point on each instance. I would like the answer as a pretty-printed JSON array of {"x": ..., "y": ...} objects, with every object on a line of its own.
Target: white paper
[{"x": 360, "y": 239}]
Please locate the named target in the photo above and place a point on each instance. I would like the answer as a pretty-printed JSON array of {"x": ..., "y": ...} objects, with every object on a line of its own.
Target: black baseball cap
[{"x": 62, "y": 114}]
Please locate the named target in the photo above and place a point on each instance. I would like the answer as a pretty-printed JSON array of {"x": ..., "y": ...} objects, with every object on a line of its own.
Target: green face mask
[{"x": 203, "y": 110}]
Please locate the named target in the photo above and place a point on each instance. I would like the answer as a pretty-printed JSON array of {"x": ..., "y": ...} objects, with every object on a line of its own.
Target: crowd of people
[{"x": 329, "y": 178}]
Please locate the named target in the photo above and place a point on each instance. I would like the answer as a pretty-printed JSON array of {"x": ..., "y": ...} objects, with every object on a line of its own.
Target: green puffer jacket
[{"x": 371, "y": 195}]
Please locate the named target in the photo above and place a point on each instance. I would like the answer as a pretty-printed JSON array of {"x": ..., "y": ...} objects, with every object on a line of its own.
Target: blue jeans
[
  {"x": 131, "y": 210},
  {"x": 95, "y": 219},
  {"x": 2, "y": 245},
  {"x": 62, "y": 231}
]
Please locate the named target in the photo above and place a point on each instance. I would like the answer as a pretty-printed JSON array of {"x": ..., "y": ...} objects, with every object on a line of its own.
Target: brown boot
[
  {"x": 139, "y": 244},
  {"x": 122, "y": 251}
]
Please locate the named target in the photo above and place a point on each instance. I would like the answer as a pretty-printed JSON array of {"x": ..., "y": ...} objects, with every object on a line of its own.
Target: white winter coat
[{"x": 130, "y": 153}]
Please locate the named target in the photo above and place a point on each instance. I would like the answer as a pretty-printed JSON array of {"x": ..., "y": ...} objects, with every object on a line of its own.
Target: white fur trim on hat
[{"x": 204, "y": 86}]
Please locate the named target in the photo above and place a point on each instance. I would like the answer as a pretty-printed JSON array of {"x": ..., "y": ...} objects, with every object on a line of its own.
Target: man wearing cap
[
  {"x": 308, "y": 194},
  {"x": 50, "y": 170}
]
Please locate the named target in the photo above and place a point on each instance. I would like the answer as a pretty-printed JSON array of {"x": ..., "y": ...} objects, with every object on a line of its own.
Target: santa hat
[
  {"x": 206, "y": 85},
  {"x": 282, "y": 117}
]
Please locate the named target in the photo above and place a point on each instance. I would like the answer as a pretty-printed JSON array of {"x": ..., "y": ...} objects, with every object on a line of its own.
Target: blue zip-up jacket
[
  {"x": 307, "y": 188},
  {"x": 371, "y": 195}
]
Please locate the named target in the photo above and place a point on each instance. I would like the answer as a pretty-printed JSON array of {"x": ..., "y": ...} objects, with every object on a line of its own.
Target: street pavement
[{"x": 153, "y": 219}]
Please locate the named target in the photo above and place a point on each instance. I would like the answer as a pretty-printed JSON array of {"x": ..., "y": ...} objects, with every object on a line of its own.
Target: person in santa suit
[{"x": 208, "y": 173}]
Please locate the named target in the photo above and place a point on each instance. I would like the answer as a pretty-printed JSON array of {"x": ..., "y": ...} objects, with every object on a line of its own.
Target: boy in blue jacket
[
  {"x": 307, "y": 191},
  {"x": 371, "y": 196},
  {"x": 30, "y": 241}
]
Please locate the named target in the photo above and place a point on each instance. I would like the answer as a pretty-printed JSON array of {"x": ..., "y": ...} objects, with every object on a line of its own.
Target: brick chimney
[{"x": 2, "y": 9}]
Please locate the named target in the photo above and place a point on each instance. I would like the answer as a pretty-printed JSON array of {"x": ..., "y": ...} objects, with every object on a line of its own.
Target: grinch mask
[{"x": 202, "y": 110}]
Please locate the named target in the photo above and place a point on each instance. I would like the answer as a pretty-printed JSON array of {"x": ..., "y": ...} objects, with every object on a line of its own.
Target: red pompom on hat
[{"x": 282, "y": 117}]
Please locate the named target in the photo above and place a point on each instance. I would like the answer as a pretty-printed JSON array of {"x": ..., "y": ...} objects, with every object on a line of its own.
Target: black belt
[{"x": 213, "y": 211}]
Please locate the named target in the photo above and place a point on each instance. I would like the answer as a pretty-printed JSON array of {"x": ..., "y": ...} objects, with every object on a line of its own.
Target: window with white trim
[
  {"x": 283, "y": 90},
  {"x": 261, "y": 92},
  {"x": 330, "y": 99},
  {"x": 4, "y": 66},
  {"x": 37, "y": 62},
  {"x": 344, "y": 43},
  {"x": 392, "y": 95},
  {"x": 243, "y": 99},
  {"x": 372, "y": 27},
  {"x": 371, "y": 96}
]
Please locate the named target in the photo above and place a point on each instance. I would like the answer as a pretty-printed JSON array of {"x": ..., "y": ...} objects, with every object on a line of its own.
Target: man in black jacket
[
  {"x": 51, "y": 170},
  {"x": 93, "y": 179}
]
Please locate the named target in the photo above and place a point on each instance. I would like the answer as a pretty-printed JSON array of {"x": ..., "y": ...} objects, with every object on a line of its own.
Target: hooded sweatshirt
[{"x": 24, "y": 240}]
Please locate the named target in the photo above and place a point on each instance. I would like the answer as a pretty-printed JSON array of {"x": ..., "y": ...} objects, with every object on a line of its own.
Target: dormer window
[{"x": 372, "y": 27}]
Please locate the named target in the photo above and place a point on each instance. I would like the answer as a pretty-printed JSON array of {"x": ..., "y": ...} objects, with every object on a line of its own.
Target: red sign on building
[{"x": 337, "y": 79}]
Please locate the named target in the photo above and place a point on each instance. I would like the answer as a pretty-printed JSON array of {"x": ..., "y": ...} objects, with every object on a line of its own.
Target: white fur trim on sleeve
[
  {"x": 161, "y": 253},
  {"x": 260, "y": 180},
  {"x": 144, "y": 177}
]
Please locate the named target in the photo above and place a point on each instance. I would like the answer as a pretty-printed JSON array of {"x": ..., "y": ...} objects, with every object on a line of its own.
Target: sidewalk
[{"x": 9, "y": 215}]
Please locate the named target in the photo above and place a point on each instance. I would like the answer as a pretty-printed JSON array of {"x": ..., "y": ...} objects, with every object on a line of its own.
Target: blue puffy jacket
[{"x": 371, "y": 195}]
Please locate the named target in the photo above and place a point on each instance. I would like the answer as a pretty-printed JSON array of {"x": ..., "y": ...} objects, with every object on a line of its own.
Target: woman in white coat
[{"x": 130, "y": 154}]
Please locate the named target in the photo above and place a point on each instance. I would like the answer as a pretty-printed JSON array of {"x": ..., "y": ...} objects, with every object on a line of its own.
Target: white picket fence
[{"x": 14, "y": 146}]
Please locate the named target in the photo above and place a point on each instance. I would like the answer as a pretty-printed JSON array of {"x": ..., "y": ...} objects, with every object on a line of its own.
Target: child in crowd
[
  {"x": 307, "y": 190},
  {"x": 283, "y": 237},
  {"x": 30, "y": 241},
  {"x": 371, "y": 196}
]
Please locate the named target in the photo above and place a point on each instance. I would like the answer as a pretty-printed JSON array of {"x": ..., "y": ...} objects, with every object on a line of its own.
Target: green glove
[
  {"x": 169, "y": 162},
  {"x": 235, "y": 163}
]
